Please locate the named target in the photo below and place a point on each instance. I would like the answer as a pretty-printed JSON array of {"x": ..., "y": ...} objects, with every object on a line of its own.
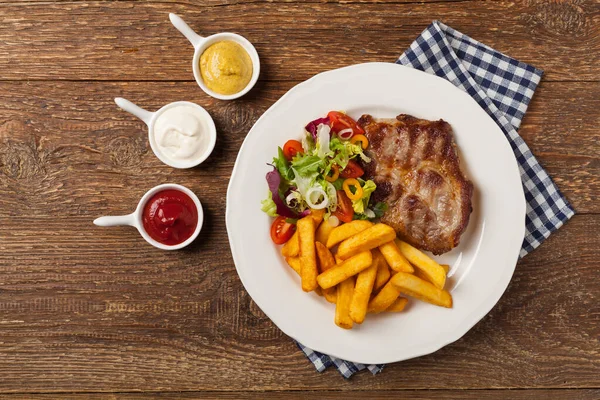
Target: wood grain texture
[
  {"x": 183, "y": 321},
  {"x": 85, "y": 310},
  {"x": 56, "y": 138},
  {"x": 567, "y": 394},
  {"x": 221, "y": 3},
  {"x": 88, "y": 309},
  {"x": 131, "y": 40}
]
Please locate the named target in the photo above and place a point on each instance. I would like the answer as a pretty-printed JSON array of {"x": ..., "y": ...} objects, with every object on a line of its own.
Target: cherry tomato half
[
  {"x": 340, "y": 121},
  {"x": 281, "y": 230},
  {"x": 352, "y": 170},
  {"x": 291, "y": 148},
  {"x": 344, "y": 210}
]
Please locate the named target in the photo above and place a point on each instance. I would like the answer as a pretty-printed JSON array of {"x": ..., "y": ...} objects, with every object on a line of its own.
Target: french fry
[
  {"x": 344, "y": 231},
  {"x": 296, "y": 265},
  {"x": 383, "y": 271},
  {"x": 369, "y": 259},
  {"x": 420, "y": 289},
  {"x": 291, "y": 248},
  {"x": 294, "y": 262},
  {"x": 342, "y": 308},
  {"x": 331, "y": 295},
  {"x": 422, "y": 275},
  {"x": 308, "y": 257},
  {"x": 362, "y": 293},
  {"x": 317, "y": 216},
  {"x": 326, "y": 261},
  {"x": 398, "y": 305},
  {"x": 368, "y": 239},
  {"x": 431, "y": 269},
  {"x": 323, "y": 232},
  {"x": 338, "y": 261},
  {"x": 383, "y": 299},
  {"x": 394, "y": 257},
  {"x": 345, "y": 270}
]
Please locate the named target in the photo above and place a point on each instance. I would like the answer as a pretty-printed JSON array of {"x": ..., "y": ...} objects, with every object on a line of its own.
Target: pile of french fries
[{"x": 362, "y": 268}]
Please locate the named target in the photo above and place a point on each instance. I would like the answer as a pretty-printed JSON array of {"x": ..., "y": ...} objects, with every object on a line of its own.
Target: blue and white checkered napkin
[{"x": 503, "y": 87}]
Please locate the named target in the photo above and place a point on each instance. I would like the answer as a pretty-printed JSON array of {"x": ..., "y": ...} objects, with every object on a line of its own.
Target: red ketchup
[{"x": 170, "y": 217}]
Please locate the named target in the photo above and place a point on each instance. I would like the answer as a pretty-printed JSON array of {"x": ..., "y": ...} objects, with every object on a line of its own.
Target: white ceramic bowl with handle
[
  {"x": 202, "y": 43},
  {"x": 149, "y": 118},
  {"x": 135, "y": 218}
]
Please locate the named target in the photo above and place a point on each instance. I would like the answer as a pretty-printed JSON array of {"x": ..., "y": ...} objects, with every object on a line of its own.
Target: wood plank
[
  {"x": 556, "y": 115},
  {"x": 57, "y": 137},
  {"x": 84, "y": 309},
  {"x": 213, "y": 3},
  {"x": 562, "y": 394},
  {"x": 129, "y": 40},
  {"x": 90, "y": 309}
]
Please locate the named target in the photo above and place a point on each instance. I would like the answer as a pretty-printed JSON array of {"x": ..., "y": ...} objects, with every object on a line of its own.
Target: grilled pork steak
[{"x": 416, "y": 168}]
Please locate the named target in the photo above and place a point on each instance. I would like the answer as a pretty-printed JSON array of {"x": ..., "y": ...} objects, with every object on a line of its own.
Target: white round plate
[{"x": 481, "y": 266}]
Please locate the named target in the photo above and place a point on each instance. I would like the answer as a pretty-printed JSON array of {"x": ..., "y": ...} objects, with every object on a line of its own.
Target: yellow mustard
[{"x": 226, "y": 67}]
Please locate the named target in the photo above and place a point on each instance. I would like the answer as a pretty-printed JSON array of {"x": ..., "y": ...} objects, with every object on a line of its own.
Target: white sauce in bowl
[{"x": 181, "y": 133}]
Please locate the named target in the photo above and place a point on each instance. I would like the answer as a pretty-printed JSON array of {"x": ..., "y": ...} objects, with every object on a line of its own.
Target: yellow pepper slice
[
  {"x": 358, "y": 191},
  {"x": 336, "y": 174},
  {"x": 364, "y": 142}
]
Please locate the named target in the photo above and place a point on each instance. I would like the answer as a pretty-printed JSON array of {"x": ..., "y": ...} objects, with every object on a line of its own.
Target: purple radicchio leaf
[
  {"x": 273, "y": 180},
  {"x": 313, "y": 125}
]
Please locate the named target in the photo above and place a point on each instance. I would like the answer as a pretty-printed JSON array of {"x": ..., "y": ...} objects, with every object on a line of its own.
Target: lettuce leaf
[
  {"x": 379, "y": 209},
  {"x": 361, "y": 204},
  {"x": 282, "y": 165},
  {"x": 338, "y": 184},
  {"x": 344, "y": 151},
  {"x": 306, "y": 165},
  {"x": 323, "y": 138},
  {"x": 269, "y": 206},
  {"x": 308, "y": 144}
]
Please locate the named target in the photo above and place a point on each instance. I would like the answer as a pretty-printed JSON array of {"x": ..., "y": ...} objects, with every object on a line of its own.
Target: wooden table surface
[{"x": 88, "y": 311}]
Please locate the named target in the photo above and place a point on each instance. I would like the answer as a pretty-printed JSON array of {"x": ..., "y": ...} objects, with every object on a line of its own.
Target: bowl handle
[
  {"x": 185, "y": 30},
  {"x": 116, "y": 220},
  {"x": 134, "y": 109}
]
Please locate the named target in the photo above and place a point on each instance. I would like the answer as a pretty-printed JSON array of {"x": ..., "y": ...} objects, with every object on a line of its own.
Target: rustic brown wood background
[{"x": 87, "y": 311}]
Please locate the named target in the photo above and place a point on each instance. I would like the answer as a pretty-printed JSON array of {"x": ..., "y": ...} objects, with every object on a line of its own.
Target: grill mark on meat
[
  {"x": 416, "y": 168},
  {"x": 384, "y": 189}
]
